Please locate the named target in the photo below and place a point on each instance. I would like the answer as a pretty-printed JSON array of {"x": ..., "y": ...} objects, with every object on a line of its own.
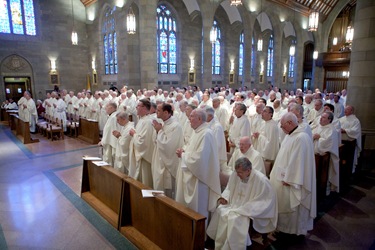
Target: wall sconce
[
  {"x": 284, "y": 74},
  {"x": 349, "y": 34},
  {"x": 232, "y": 66},
  {"x": 53, "y": 65},
  {"x": 292, "y": 50},
  {"x": 94, "y": 73},
  {"x": 235, "y": 2},
  {"x": 315, "y": 55},
  {"x": 334, "y": 41},
  {"x": 93, "y": 66},
  {"x": 260, "y": 44},
  {"x": 192, "y": 61},
  {"x": 74, "y": 33},
  {"x": 131, "y": 22}
]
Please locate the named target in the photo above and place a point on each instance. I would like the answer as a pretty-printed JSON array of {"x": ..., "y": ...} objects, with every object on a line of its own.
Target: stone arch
[{"x": 19, "y": 69}]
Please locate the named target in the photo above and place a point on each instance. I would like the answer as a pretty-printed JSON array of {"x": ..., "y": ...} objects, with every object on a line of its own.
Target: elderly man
[
  {"x": 109, "y": 142},
  {"x": 221, "y": 113},
  {"x": 219, "y": 136},
  {"x": 325, "y": 140},
  {"x": 246, "y": 150},
  {"x": 142, "y": 146},
  {"x": 351, "y": 130},
  {"x": 313, "y": 117},
  {"x": 293, "y": 179},
  {"x": 268, "y": 136},
  {"x": 186, "y": 127},
  {"x": 198, "y": 184},
  {"x": 59, "y": 108},
  {"x": 249, "y": 195},
  {"x": 121, "y": 161},
  {"x": 29, "y": 111},
  {"x": 240, "y": 126},
  {"x": 165, "y": 161}
]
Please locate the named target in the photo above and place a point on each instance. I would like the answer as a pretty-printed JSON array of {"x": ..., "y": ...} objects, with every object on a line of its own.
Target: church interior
[{"x": 97, "y": 45}]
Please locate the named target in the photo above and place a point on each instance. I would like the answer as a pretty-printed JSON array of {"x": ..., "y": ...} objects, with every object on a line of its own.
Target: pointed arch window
[
  {"x": 292, "y": 58},
  {"x": 166, "y": 41},
  {"x": 216, "y": 50},
  {"x": 110, "y": 42},
  {"x": 270, "y": 57},
  {"x": 252, "y": 55},
  {"x": 240, "y": 54},
  {"x": 17, "y": 17}
]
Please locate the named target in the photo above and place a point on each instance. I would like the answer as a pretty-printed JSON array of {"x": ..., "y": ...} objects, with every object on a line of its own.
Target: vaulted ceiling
[{"x": 324, "y": 7}]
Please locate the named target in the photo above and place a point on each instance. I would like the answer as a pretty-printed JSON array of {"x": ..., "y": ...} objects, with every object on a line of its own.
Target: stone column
[
  {"x": 147, "y": 13},
  {"x": 361, "y": 87}
]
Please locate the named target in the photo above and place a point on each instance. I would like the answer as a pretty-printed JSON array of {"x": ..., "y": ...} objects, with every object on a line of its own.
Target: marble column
[{"x": 361, "y": 85}]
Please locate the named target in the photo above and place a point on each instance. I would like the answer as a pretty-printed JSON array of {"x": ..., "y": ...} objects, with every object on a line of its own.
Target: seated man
[{"x": 249, "y": 195}]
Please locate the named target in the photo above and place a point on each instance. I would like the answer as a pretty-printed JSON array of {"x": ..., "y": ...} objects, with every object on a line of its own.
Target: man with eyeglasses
[{"x": 293, "y": 179}]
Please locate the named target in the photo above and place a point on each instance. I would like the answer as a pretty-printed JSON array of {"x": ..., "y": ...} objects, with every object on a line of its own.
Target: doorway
[{"x": 16, "y": 86}]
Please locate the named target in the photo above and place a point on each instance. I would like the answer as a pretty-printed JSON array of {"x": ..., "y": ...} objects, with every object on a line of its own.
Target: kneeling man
[{"x": 248, "y": 195}]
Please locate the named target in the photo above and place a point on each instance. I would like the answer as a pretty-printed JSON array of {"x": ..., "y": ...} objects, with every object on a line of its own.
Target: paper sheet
[
  {"x": 101, "y": 163},
  {"x": 151, "y": 193}
]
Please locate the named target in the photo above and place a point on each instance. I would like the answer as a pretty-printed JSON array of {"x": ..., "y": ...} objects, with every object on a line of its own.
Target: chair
[
  {"x": 73, "y": 125},
  {"x": 56, "y": 129}
]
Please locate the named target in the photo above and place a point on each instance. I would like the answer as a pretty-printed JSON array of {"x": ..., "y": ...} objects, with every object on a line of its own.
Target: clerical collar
[
  {"x": 293, "y": 130},
  {"x": 245, "y": 180}
]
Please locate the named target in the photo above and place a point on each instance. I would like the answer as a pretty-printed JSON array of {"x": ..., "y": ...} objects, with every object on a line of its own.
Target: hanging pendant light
[
  {"x": 315, "y": 54},
  {"x": 213, "y": 34},
  {"x": 235, "y": 2},
  {"x": 74, "y": 33},
  {"x": 131, "y": 22},
  {"x": 313, "y": 21}
]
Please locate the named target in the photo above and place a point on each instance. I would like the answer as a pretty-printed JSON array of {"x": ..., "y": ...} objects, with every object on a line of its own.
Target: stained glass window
[
  {"x": 252, "y": 55},
  {"x": 216, "y": 53},
  {"x": 270, "y": 57},
  {"x": 240, "y": 57},
  {"x": 17, "y": 17},
  {"x": 291, "y": 63},
  {"x": 110, "y": 42},
  {"x": 166, "y": 41}
]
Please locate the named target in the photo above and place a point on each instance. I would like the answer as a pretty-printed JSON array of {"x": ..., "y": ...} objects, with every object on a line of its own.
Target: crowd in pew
[{"x": 191, "y": 144}]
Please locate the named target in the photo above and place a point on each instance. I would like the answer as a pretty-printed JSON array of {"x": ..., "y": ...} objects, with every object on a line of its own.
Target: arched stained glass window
[
  {"x": 270, "y": 57},
  {"x": 17, "y": 17},
  {"x": 252, "y": 55},
  {"x": 166, "y": 41},
  {"x": 240, "y": 55},
  {"x": 216, "y": 54},
  {"x": 292, "y": 59},
  {"x": 110, "y": 42}
]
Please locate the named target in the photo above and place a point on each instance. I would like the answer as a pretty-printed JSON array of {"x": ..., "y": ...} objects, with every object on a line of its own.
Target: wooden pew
[
  {"x": 88, "y": 131},
  {"x": 21, "y": 129},
  {"x": 322, "y": 171},
  {"x": 102, "y": 188},
  {"x": 346, "y": 153},
  {"x": 159, "y": 222},
  {"x": 149, "y": 223}
]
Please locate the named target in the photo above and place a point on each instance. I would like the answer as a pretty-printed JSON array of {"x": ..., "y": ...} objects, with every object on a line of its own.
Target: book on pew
[
  {"x": 100, "y": 163},
  {"x": 91, "y": 158},
  {"x": 146, "y": 193}
]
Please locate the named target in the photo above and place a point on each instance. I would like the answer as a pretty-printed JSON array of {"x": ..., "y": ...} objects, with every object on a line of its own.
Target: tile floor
[{"x": 40, "y": 207}]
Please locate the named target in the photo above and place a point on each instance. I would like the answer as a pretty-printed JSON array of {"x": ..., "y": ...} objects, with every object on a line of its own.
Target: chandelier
[
  {"x": 260, "y": 44},
  {"x": 313, "y": 21},
  {"x": 131, "y": 22},
  {"x": 349, "y": 34},
  {"x": 292, "y": 50},
  {"x": 235, "y": 2}
]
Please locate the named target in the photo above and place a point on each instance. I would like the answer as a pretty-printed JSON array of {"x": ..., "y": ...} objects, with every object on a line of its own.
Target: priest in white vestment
[
  {"x": 246, "y": 150},
  {"x": 168, "y": 139},
  {"x": 351, "y": 130},
  {"x": 198, "y": 184},
  {"x": 142, "y": 145},
  {"x": 249, "y": 195},
  {"x": 29, "y": 111},
  {"x": 109, "y": 142},
  {"x": 60, "y": 110},
  {"x": 268, "y": 136},
  {"x": 121, "y": 161},
  {"x": 187, "y": 129},
  {"x": 20, "y": 103},
  {"x": 293, "y": 178},
  {"x": 240, "y": 126},
  {"x": 325, "y": 140},
  {"x": 219, "y": 136}
]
